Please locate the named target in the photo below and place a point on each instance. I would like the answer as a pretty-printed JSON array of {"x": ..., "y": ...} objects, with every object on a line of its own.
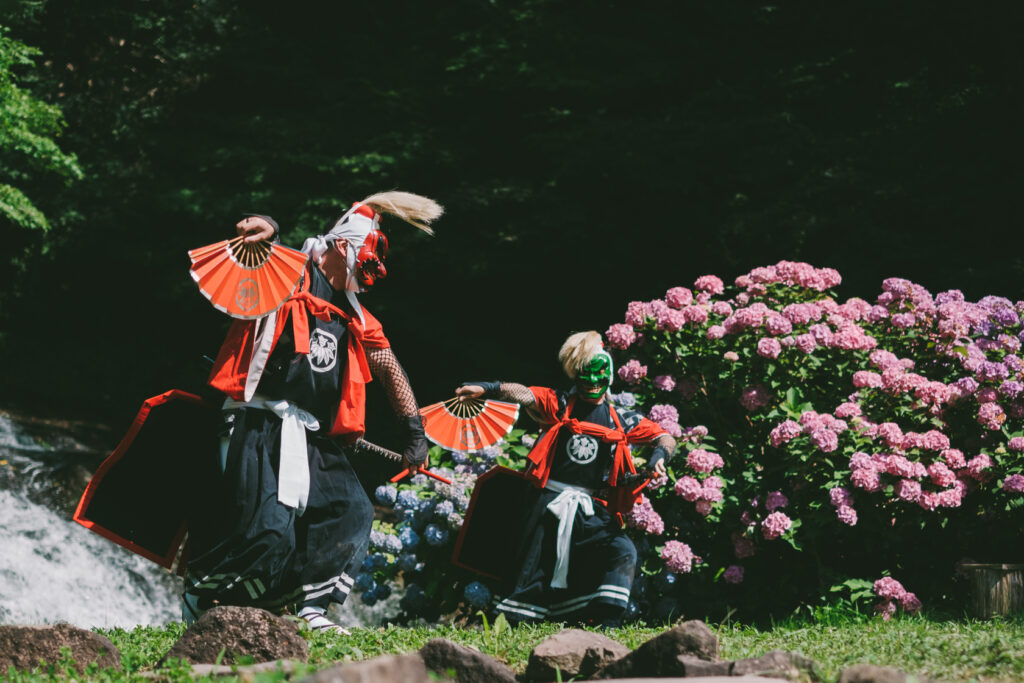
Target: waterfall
[{"x": 52, "y": 569}]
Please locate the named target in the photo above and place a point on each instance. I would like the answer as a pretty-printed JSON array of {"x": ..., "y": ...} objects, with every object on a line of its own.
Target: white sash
[{"x": 564, "y": 506}]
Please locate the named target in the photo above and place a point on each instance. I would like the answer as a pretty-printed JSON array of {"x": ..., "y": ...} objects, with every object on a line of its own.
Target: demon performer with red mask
[
  {"x": 288, "y": 522},
  {"x": 574, "y": 560}
]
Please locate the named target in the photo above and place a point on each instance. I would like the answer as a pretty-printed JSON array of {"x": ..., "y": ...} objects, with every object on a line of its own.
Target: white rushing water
[{"x": 54, "y": 570}]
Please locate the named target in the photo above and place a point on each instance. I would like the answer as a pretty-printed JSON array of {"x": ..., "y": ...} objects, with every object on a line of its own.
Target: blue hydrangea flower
[
  {"x": 455, "y": 521},
  {"x": 490, "y": 453},
  {"x": 378, "y": 560},
  {"x": 407, "y": 500},
  {"x": 369, "y": 598},
  {"x": 435, "y": 535},
  {"x": 625, "y": 399},
  {"x": 459, "y": 458},
  {"x": 409, "y": 538},
  {"x": 386, "y": 495},
  {"x": 367, "y": 565},
  {"x": 443, "y": 509},
  {"x": 461, "y": 502},
  {"x": 376, "y": 539},
  {"x": 364, "y": 582},
  {"x": 407, "y": 562},
  {"x": 477, "y": 594},
  {"x": 426, "y": 504},
  {"x": 415, "y": 600},
  {"x": 382, "y": 591},
  {"x": 392, "y": 544}
]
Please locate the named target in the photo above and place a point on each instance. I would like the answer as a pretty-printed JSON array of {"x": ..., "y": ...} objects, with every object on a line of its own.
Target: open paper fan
[
  {"x": 247, "y": 279},
  {"x": 468, "y": 424}
]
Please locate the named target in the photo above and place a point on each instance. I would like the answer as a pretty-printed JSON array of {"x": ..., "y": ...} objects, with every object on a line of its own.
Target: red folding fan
[
  {"x": 247, "y": 279},
  {"x": 460, "y": 424}
]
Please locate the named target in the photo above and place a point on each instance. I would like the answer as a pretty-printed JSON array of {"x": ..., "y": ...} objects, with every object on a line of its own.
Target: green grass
[{"x": 947, "y": 650}]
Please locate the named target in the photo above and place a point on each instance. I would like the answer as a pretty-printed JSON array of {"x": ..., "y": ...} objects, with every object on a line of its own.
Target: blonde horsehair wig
[
  {"x": 411, "y": 208},
  {"x": 577, "y": 351}
]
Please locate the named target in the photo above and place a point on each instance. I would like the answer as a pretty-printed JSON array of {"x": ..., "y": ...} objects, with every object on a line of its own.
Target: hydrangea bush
[
  {"x": 823, "y": 444},
  {"x": 823, "y": 440}
]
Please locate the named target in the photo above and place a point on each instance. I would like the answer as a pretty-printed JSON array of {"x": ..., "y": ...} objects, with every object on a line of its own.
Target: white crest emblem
[
  {"x": 582, "y": 449},
  {"x": 323, "y": 350}
]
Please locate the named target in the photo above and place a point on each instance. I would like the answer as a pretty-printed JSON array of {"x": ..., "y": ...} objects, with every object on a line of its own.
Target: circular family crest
[
  {"x": 323, "y": 350},
  {"x": 582, "y": 449},
  {"x": 247, "y": 296}
]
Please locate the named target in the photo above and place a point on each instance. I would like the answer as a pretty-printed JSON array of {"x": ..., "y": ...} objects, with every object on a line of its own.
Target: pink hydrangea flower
[
  {"x": 978, "y": 464},
  {"x": 775, "y": 524},
  {"x": 768, "y": 347},
  {"x": 806, "y": 343},
  {"x": 700, "y": 460},
  {"x": 663, "y": 411},
  {"x": 848, "y": 409},
  {"x": 847, "y": 515},
  {"x": 785, "y": 432},
  {"x": 888, "y": 587},
  {"x": 664, "y": 382},
  {"x": 703, "y": 507},
  {"x": 1014, "y": 484},
  {"x": 688, "y": 488},
  {"x": 644, "y": 517},
  {"x": 755, "y": 396},
  {"x": 677, "y": 297},
  {"x": 863, "y": 379},
  {"x": 940, "y": 474},
  {"x": 715, "y": 332},
  {"x": 866, "y": 479},
  {"x": 840, "y": 496},
  {"x": 620, "y": 336},
  {"x": 678, "y": 556},
  {"x": 991, "y": 416},
  {"x": 733, "y": 574},
  {"x": 775, "y": 500},
  {"x": 909, "y": 603},
  {"x": 731, "y": 356},
  {"x": 1016, "y": 443},
  {"x": 636, "y": 314},
  {"x": 908, "y": 490},
  {"x": 954, "y": 458},
  {"x": 632, "y": 372},
  {"x": 710, "y": 284},
  {"x": 825, "y": 439}
]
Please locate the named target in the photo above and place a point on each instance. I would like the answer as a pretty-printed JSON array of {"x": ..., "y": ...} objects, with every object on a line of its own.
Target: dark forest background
[{"x": 587, "y": 153}]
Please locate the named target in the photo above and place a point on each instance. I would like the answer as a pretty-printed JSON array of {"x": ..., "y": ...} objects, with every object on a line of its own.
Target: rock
[
  {"x": 869, "y": 673},
  {"x": 446, "y": 658},
  {"x": 659, "y": 656},
  {"x": 572, "y": 653},
  {"x": 388, "y": 669},
  {"x": 24, "y": 646},
  {"x": 239, "y": 632},
  {"x": 778, "y": 664},
  {"x": 690, "y": 666}
]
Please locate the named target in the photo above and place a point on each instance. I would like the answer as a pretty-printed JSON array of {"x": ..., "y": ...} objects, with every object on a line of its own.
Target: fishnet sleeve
[
  {"x": 388, "y": 371},
  {"x": 516, "y": 393}
]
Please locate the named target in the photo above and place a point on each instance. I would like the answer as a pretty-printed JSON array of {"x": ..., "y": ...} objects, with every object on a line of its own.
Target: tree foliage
[{"x": 584, "y": 152}]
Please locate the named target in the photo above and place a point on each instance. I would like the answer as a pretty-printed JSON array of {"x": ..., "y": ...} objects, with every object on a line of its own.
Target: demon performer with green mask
[{"x": 575, "y": 562}]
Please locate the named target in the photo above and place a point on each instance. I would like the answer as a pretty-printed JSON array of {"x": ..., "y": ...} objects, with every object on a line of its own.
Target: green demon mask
[{"x": 595, "y": 377}]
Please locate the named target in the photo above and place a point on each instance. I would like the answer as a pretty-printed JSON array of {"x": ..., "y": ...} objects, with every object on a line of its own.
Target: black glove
[
  {"x": 657, "y": 455},
  {"x": 416, "y": 446},
  {"x": 491, "y": 389}
]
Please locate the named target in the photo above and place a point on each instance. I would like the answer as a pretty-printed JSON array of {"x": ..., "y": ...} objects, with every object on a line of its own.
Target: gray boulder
[
  {"x": 239, "y": 632},
  {"x": 869, "y": 673},
  {"x": 388, "y": 669},
  {"x": 660, "y": 656},
  {"x": 572, "y": 653},
  {"x": 464, "y": 664},
  {"x": 24, "y": 647},
  {"x": 778, "y": 664}
]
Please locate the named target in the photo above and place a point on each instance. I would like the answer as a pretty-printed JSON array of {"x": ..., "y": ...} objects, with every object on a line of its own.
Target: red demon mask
[{"x": 370, "y": 259}]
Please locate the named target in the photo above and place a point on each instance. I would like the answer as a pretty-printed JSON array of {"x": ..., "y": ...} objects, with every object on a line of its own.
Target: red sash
[
  {"x": 231, "y": 368},
  {"x": 541, "y": 457}
]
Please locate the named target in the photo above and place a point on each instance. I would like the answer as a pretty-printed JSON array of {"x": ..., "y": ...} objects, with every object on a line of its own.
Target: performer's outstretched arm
[
  {"x": 503, "y": 391},
  {"x": 386, "y": 369}
]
